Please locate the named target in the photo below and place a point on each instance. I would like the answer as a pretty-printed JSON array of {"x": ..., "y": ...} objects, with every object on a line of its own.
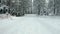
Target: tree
[{"x": 39, "y": 5}]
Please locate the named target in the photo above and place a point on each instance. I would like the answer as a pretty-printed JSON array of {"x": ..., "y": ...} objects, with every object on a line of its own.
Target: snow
[
  {"x": 2, "y": 6},
  {"x": 30, "y": 24}
]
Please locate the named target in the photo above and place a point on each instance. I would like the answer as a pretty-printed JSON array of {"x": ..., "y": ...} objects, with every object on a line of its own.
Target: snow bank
[{"x": 29, "y": 25}]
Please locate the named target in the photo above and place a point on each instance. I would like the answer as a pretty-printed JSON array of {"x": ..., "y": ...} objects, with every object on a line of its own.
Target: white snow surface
[{"x": 30, "y": 25}]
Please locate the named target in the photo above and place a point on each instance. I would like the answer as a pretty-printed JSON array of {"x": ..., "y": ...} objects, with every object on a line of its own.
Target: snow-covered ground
[{"x": 30, "y": 24}]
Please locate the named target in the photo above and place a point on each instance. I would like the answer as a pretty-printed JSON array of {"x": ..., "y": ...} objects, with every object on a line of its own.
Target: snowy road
[{"x": 30, "y": 25}]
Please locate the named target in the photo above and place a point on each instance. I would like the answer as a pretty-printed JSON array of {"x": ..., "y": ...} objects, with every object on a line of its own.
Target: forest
[{"x": 39, "y": 7}]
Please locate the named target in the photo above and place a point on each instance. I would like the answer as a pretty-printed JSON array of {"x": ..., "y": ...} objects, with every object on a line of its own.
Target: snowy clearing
[{"x": 30, "y": 25}]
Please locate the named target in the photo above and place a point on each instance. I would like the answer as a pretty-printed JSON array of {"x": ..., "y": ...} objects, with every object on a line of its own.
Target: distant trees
[
  {"x": 40, "y": 7},
  {"x": 53, "y": 7},
  {"x": 17, "y": 6},
  {"x": 27, "y": 5},
  {"x": 57, "y": 7}
]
